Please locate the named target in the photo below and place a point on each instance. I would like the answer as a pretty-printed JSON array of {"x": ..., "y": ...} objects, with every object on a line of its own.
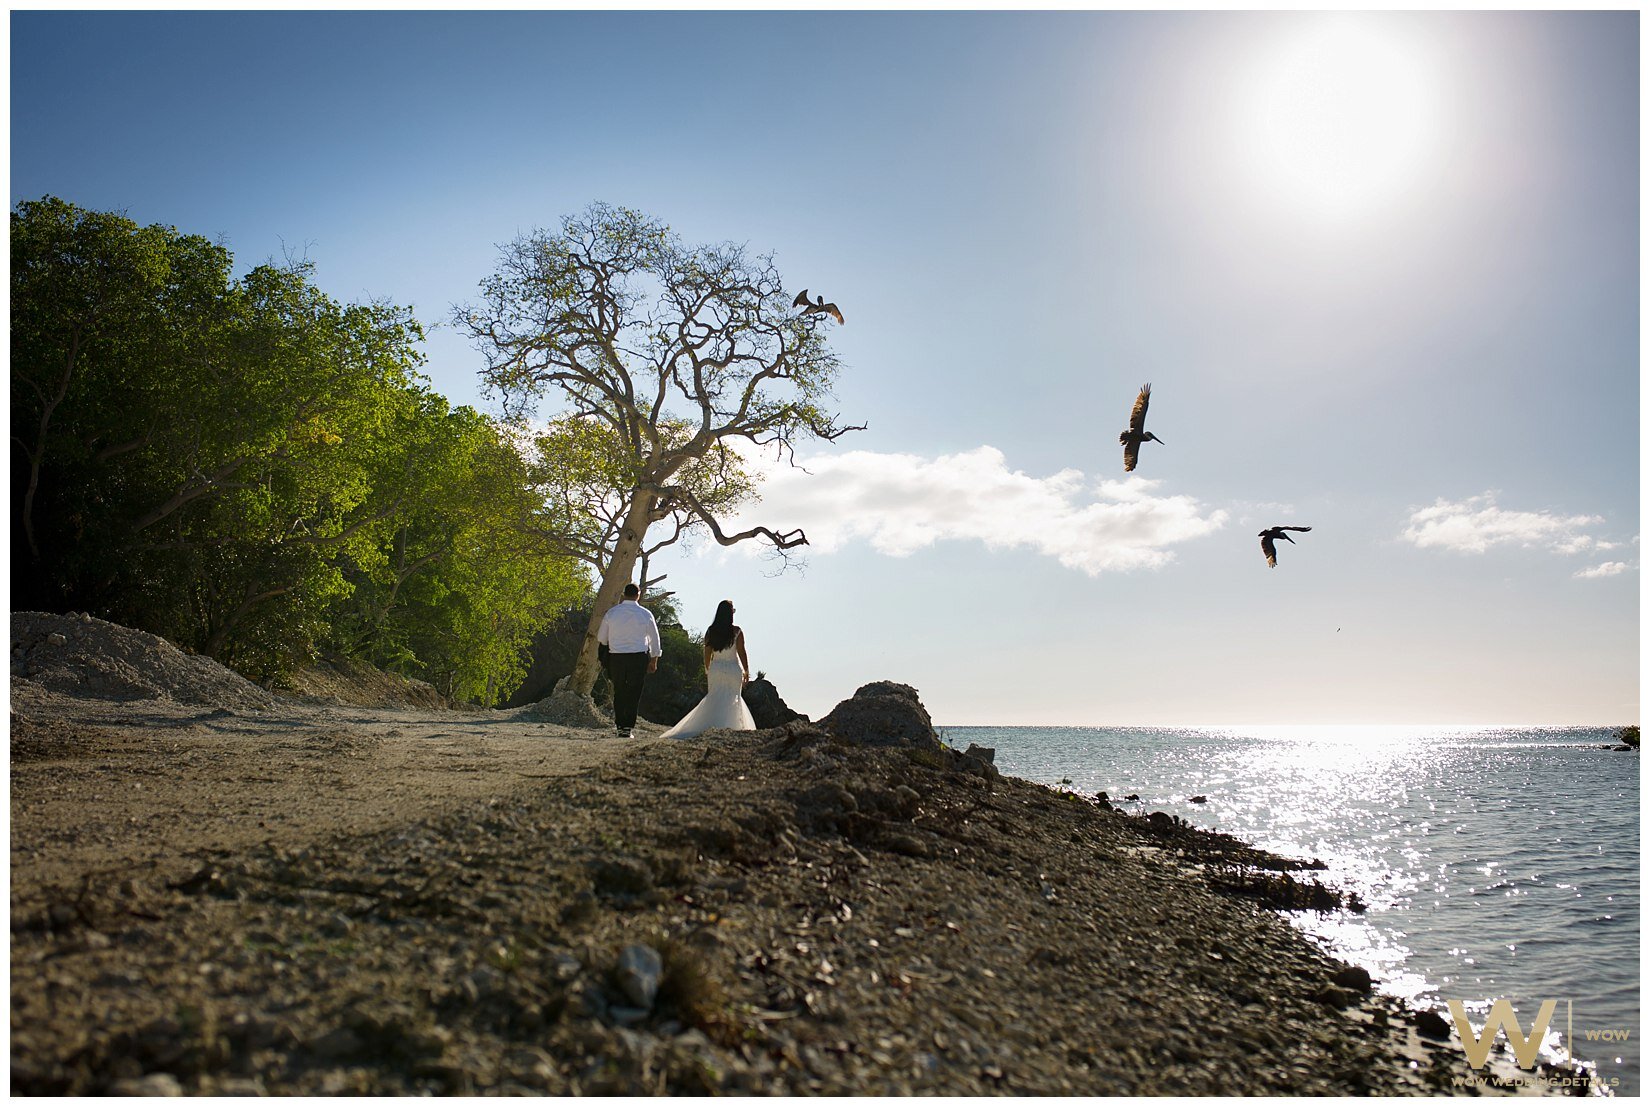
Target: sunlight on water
[{"x": 1495, "y": 861}]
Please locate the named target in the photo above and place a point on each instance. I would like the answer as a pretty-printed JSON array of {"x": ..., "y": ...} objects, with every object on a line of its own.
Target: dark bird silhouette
[
  {"x": 1267, "y": 547},
  {"x": 817, "y": 307},
  {"x": 1137, "y": 432}
]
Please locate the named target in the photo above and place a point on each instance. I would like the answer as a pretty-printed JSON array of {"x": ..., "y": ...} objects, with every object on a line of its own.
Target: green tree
[
  {"x": 664, "y": 355},
  {"x": 253, "y": 469},
  {"x": 459, "y": 585},
  {"x": 583, "y": 473},
  {"x": 111, "y": 323}
]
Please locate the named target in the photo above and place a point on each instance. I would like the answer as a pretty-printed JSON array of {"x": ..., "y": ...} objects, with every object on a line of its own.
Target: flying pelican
[
  {"x": 1271, "y": 551},
  {"x": 818, "y": 307},
  {"x": 1137, "y": 432}
]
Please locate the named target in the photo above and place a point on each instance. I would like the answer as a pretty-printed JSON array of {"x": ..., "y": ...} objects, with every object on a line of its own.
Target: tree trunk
[{"x": 625, "y": 554}]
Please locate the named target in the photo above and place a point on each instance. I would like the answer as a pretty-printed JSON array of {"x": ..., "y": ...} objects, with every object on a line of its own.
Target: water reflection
[{"x": 1495, "y": 861}]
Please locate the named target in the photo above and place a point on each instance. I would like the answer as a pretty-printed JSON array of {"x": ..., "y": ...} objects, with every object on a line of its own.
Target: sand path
[{"x": 167, "y": 784}]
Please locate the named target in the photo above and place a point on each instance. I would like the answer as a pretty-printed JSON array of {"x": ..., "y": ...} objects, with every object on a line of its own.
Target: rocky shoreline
[{"x": 791, "y": 911}]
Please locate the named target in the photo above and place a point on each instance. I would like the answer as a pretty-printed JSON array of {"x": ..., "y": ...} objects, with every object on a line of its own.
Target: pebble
[
  {"x": 802, "y": 997},
  {"x": 639, "y": 972},
  {"x": 156, "y": 1083}
]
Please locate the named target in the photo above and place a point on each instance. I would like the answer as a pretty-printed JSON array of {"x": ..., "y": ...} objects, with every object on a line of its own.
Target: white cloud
[
  {"x": 1475, "y": 524},
  {"x": 902, "y": 503},
  {"x": 1607, "y": 569}
]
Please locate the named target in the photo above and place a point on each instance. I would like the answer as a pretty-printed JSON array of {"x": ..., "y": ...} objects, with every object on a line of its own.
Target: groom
[{"x": 632, "y": 640}]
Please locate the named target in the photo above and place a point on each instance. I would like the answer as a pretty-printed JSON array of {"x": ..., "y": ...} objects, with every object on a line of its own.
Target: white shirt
[{"x": 628, "y": 627}]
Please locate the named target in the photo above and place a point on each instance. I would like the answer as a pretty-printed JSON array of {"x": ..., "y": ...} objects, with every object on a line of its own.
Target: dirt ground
[
  {"x": 97, "y": 784},
  {"x": 219, "y": 891}
]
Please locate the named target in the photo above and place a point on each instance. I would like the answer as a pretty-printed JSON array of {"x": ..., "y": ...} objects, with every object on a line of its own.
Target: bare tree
[{"x": 664, "y": 356}]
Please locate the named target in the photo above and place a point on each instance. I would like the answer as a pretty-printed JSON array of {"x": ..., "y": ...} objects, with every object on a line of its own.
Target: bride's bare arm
[
  {"x": 739, "y": 644},
  {"x": 707, "y": 657}
]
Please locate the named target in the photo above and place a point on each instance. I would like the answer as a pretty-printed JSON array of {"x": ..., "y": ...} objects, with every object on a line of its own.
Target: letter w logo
[{"x": 1502, "y": 1019}]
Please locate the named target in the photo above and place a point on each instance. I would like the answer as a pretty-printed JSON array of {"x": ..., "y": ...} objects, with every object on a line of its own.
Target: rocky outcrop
[
  {"x": 883, "y": 713},
  {"x": 767, "y": 708}
]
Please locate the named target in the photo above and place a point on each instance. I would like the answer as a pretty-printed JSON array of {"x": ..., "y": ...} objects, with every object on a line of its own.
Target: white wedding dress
[{"x": 723, "y": 706}]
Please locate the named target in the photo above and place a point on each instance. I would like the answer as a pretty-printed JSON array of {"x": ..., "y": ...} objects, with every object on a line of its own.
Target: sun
[{"x": 1341, "y": 118}]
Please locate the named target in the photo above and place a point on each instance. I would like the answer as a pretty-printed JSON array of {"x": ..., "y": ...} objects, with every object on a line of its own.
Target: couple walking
[{"x": 631, "y": 636}]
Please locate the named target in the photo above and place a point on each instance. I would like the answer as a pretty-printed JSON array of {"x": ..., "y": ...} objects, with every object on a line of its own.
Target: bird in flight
[
  {"x": 1267, "y": 546},
  {"x": 818, "y": 307},
  {"x": 1137, "y": 432}
]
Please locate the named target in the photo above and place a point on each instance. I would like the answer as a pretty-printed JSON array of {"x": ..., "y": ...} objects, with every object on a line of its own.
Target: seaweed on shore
[
  {"x": 1215, "y": 847},
  {"x": 1283, "y": 892}
]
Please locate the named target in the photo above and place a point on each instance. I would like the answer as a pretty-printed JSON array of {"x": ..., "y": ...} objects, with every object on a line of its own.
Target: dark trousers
[{"x": 627, "y": 671}]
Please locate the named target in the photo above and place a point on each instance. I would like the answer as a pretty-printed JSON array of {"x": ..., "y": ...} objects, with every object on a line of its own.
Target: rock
[
  {"x": 336, "y": 1044},
  {"x": 621, "y": 876},
  {"x": 638, "y": 973},
  {"x": 827, "y": 805},
  {"x": 1354, "y": 977},
  {"x": 1331, "y": 996},
  {"x": 564, "y": 966},
  {"x": 238, "y": 1086},
  {"x": 627, "y": 1016},
  {"x": 984, "y": 768},
  {"x": 56, "y": 639},
  {"x": 156, "y": 1083},
  {"x": 767, "y": 708},
  {"x": 984, "y": 753},
  {"x": 1198, "y": 799},
  {"x": 883, "y": 714},
  {"x": 908, "y": 845},
  {"x": 1432, "y": 1025},
  {"x": 899, "y": 802}
]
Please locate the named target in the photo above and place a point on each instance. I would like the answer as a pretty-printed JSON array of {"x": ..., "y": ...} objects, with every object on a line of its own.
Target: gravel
[
  {"x": 776, "y": 912},
  {"x": 217, "y": 891}
]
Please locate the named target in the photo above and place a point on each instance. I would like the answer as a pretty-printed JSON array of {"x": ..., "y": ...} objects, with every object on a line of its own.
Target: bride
[{"x": 726, "y": 669}]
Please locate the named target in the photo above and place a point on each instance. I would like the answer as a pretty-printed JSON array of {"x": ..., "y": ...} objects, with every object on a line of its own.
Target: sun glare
[{"x": 1341, "y": 118}]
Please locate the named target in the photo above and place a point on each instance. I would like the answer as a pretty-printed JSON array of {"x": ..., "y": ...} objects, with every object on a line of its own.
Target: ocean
[{"x": 1495, "y": 861}]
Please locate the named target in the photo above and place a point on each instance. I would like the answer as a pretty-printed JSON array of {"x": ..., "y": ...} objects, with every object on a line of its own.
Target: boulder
[
  {"x": 767, "y": 708},
  {"x": 980, "y": 761},
  {"x": 883, "y": 713},
  {"x": 1354, "y": 978},
  {"x": 1432, "y": 1025}
]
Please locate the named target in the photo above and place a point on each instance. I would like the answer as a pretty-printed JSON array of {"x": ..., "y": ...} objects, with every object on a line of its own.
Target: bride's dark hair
[{"x": 720, "y": 634}]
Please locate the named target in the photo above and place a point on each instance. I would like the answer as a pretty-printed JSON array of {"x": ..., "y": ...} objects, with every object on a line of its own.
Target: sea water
[{"x": 1496, "y": 862}]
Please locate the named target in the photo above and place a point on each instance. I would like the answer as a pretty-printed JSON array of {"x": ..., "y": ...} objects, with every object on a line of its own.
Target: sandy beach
[{"x": 312, "y": 897}]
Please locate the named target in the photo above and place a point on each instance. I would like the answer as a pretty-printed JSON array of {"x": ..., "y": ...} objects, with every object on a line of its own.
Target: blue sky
[{"x": 1381, "y": 270}]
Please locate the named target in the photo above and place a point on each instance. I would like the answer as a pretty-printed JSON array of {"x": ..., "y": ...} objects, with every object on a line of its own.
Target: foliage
[
  {"x": 583, "y": 473},
  {"x": 253, "y": 469},
  {"x": 457, "y": 589}
]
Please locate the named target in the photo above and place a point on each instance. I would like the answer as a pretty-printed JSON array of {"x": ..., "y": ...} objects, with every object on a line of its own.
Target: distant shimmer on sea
[{"x": 1495, "y": 861}]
